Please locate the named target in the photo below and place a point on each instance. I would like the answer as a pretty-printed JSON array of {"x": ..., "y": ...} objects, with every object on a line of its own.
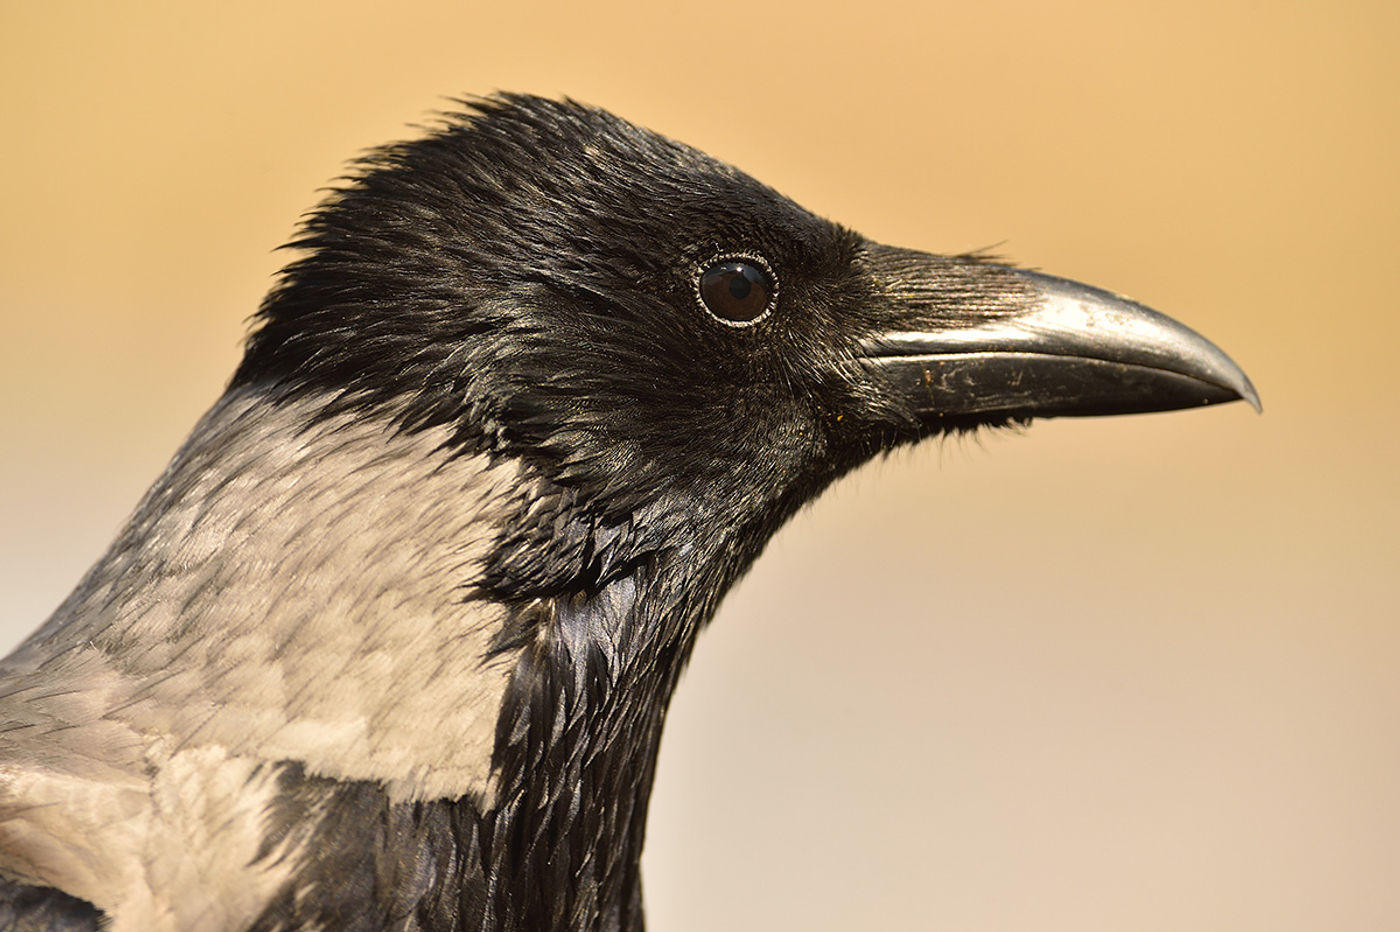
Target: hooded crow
[{"x": 390, "y": 642}]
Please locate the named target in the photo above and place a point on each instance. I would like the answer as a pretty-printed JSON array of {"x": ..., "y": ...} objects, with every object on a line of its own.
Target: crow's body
[{"x": 390, "y": 643}]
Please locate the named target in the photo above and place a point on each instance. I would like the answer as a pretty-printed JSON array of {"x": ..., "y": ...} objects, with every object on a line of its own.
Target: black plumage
[{"x": 666, "y": 359}]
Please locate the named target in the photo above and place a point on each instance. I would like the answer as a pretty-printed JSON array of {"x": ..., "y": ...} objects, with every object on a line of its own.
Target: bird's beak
[{"x": 1039, "y": 346}]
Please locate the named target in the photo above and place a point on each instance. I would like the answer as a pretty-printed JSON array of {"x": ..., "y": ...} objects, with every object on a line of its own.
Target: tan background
[{"x": 1116, "y": 674}]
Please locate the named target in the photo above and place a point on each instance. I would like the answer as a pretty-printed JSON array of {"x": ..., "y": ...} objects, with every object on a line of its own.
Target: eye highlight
[{"x": 738, "y": 290}]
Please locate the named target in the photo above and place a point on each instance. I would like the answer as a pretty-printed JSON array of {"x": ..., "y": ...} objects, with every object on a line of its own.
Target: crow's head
[
  {"x": 392, "y": 639},
  {"x": 668, "y": 343}
]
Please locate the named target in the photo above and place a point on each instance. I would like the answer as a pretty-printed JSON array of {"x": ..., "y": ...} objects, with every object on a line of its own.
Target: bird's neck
[
  {"x": 577, "y": 745},
  {"x": 307, "y": 591},
  {"x": 558, "y": 845}
]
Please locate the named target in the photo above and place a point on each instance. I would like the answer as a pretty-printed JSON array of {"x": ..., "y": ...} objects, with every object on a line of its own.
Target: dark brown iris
[{"x": 736, "y": 290}]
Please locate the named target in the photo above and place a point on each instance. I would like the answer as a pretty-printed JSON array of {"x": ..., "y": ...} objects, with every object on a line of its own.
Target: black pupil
[{"x": 735, "y": 290}]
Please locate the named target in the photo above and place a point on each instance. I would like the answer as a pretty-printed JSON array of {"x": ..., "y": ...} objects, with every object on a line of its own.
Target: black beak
[{"x": 1038, "y": 346}]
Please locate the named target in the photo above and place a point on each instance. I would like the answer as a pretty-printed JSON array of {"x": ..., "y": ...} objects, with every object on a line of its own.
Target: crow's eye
[{"x": 738, "y": 290}]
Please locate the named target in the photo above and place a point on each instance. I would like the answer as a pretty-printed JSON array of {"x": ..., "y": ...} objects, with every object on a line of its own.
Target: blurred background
[{"x": 1134, "y": 673}]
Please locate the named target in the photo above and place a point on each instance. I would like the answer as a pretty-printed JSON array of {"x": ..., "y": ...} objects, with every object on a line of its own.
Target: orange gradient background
[{"x": 1136, "y": 673}]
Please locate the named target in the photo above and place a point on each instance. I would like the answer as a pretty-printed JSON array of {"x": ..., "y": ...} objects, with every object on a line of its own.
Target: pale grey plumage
[{"x": 139, "y": 721}]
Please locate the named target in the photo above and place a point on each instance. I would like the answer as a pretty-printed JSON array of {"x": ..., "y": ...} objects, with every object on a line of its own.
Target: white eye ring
[{"x": 737, "y": 289}]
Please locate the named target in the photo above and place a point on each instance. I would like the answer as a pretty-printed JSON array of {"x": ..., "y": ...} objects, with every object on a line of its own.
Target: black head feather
[{"x": 527, "y": 275}]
